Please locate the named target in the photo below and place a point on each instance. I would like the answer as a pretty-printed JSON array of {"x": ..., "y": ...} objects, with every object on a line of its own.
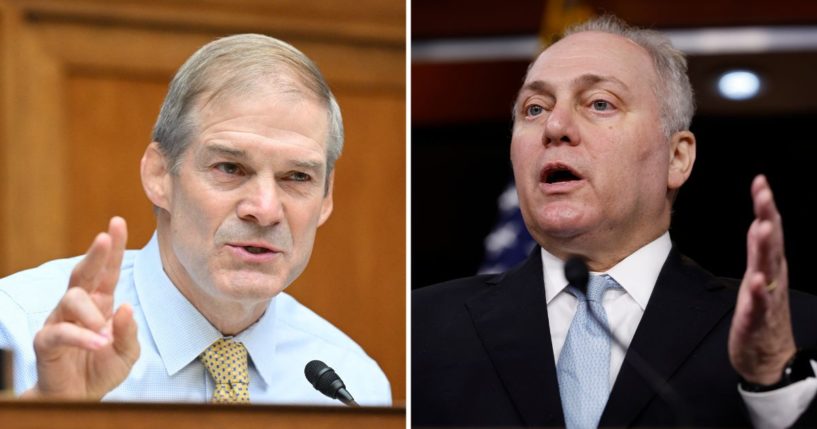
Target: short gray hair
[
  {"x": 234, "y": 66},
  {"x": 673, "y": 90}
]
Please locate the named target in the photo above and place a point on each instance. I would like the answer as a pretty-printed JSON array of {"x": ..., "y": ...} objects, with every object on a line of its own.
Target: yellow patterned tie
[{"x": 227, "y": 362}]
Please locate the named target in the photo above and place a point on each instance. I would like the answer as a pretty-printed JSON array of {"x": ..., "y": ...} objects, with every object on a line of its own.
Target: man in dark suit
[{"x": 601, "y": 146}]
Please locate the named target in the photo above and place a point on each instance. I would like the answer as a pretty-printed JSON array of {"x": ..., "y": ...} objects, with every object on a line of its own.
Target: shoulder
[
  {"x": 457, "y": 288},
  {"x": 439, "y": 312},
  {"x": 305, "y": 322},
  {"x": 802, "y": 305},
  {"x": 315, "y": 337},
  {"x": 446, "y": 304},
  {"x": 526, "y": 272},
  {"x": 38, "y": 289},
  {"x": 457, "y": 291}
]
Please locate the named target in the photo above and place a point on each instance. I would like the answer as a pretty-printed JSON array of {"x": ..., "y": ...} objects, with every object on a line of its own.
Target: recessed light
[{"x": 739, "y": 84}]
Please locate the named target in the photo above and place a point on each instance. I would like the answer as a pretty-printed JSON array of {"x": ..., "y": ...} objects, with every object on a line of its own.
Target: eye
[
  {"x": 601, "y": 105},
  {"x": 298, "y": 176},
  {"x": 228, "y": 168},
  {"x": 534, "y": 110}
]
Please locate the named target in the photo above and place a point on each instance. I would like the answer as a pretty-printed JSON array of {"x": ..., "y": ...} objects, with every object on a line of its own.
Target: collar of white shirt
[
  {"x": 169, "y": 314},
  {"x": 636, "y": 273}
]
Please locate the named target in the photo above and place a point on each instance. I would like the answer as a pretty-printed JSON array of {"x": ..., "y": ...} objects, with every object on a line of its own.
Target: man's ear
[
  {"x": 682, "y": 158},
  {"x": 156, "y": 176},
  {"x": 327, "y": 205}
]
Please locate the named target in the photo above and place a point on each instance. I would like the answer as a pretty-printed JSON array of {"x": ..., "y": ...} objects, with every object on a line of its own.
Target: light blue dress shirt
[{"x": 172, "y": 334}]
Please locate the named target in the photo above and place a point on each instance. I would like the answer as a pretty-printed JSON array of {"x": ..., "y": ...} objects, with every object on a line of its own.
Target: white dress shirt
[
  {"x": 637, "y": 275},
  {"x": 172, "y": 334}
]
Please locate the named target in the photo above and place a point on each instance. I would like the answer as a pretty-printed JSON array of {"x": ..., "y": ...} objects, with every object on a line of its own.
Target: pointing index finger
[
  {"x": 769, "y": 253},
  {"x": 118, "y": 231},
  {"x": 86, "y": 273},
  {"x": 763, "y": 199}
]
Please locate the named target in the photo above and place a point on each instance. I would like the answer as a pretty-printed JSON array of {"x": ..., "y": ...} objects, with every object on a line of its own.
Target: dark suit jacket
[{"x": 482, "y": 356}]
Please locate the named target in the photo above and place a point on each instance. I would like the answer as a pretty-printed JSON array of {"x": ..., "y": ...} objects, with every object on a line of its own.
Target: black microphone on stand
[
  {"x": 578, "y": 276},
  {"x": 326, "y": 381}
]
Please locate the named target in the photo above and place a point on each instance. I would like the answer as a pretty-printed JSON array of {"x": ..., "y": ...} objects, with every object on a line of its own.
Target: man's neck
[
  {"x": 600, "y": 254},
  {"x": 228, "y": 316}
]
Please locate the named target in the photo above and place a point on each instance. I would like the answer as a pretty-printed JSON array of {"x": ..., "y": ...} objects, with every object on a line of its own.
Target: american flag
[{"x": 509, "y": 243}]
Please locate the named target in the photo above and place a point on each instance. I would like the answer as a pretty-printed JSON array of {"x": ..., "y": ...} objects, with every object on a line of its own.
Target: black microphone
[
  {"x": 578, "y": 276},
  {"x": 326, "y": 381}
]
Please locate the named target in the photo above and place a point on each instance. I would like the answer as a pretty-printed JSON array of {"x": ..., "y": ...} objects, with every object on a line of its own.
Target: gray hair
[
  {"x": 673, "y": 89},
  {"x": 235, "y": 66}
]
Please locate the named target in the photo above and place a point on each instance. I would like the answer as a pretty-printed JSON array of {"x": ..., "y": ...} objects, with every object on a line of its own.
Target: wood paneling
[
  {"x": 85, "y": 415},
  {"x": 81, "y": 85},
  {"x": 111, "y": 119}
]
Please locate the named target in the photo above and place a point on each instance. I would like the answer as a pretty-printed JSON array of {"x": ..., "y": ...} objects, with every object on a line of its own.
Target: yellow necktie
[{"x": 226, "y": 360}]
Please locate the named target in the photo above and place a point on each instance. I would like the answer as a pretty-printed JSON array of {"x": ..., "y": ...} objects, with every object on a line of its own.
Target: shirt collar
[
  {"x": 636, "y": 273},
  {"x": 261, "y": 340},
  {"x": 179, "y": 331}
]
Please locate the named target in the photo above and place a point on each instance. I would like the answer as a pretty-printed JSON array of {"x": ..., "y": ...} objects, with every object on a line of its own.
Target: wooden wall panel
[
  {"x": 82, "y": 83},
  {"x": 106, "y": 415},
  {"x": 111, "y": 118},
  {"x": 33, "y": 152}
]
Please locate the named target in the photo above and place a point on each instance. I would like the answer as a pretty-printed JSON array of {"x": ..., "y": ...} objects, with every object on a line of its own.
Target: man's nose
[
  {"x": 261, "y": 204},
  {"x": 560, "y": 126}
]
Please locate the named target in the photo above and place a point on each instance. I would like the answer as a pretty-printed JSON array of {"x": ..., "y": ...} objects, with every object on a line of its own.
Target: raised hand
[
  {"x": 761, "y": 340},
  {"x": 85, "y": 349}
]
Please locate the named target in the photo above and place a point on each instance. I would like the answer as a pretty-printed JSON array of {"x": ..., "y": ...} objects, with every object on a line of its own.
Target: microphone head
[
  {"x": 576, "y": 273},
  {"x": 323, "y": 378}
]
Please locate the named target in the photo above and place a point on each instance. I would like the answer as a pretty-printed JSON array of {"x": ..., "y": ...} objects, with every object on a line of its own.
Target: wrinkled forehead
[
  {"x": 594, "y": 53},
  {"x": 267, "y": 110},
  {"x": 225, "y": 86}
]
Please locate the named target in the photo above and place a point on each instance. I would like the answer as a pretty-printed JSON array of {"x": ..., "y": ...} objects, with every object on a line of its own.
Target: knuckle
[
  {"x": 40, "y": 339},
  {"x": 73, "y": 296},
  {"x": 50, "y": 336}
]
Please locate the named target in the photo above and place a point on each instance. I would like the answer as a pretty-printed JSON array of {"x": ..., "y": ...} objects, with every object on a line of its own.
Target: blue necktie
[{"x": 584, "y": 363}]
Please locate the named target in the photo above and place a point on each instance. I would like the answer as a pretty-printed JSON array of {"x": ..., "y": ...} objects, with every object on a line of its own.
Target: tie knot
[
  {"x": 226, "y": 360},
  {"x": 595, "y": 288}
]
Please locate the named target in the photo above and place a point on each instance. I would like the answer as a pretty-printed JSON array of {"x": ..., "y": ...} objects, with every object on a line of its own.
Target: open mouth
[
  {"x": 558, "y": 173},
  {"x": 253, "y": 249},
  {"x": 256, "y": 250}
]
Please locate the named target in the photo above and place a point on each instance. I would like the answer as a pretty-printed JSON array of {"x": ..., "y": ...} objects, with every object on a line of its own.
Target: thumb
[{"x": 125, "y": 341}]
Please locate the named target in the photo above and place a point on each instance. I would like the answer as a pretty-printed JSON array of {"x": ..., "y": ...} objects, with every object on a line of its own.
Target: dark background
[{"x": 461, "y": 135}]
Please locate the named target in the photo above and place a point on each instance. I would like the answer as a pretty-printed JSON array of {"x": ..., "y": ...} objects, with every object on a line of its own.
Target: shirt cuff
[{"x": 780, "y": 408}]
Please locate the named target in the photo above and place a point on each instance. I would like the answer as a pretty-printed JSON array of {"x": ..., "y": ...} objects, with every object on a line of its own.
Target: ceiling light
[{"x": 739, "y": 84}]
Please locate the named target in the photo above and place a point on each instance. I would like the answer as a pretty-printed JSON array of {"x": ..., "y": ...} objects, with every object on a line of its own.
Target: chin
[
  {"x": 252, "y": 285},
  {"x": 560, "y": 221}
]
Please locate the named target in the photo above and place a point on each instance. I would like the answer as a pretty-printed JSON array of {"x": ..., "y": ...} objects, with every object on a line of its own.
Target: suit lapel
[
  {"x": 685, "y": 305},
  {"x": 510, "y": 317}
]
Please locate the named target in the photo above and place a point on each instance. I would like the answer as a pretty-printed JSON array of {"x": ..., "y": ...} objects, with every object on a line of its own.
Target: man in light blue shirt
[{"x": 240, "y": 173}]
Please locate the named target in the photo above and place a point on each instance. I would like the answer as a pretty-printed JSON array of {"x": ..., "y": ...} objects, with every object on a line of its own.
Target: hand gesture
[
  {"x": 85, "y": 349},
  {"x": 760, "y": 339}
]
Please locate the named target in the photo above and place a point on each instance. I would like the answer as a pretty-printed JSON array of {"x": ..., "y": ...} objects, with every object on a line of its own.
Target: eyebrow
[
  {"x": 226, "y": 150},
  {"x": 586, "y": 80},
  {"x": 308, "y": 164},
  {"x": 240, "y": 154},
  {"x": 583, "y": 81}
]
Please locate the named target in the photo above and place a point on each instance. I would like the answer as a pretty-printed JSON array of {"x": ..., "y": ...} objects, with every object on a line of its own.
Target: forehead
[
  {"x": 266, "y": 112},
  {"x": 594, "y": 53}
]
